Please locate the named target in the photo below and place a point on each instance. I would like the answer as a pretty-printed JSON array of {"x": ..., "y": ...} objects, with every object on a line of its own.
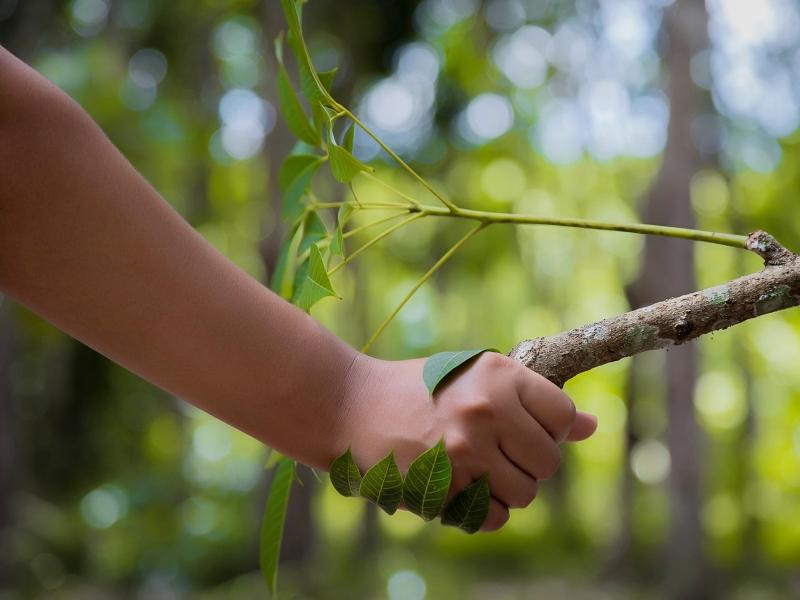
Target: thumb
[{"x": 583, "y": 427}]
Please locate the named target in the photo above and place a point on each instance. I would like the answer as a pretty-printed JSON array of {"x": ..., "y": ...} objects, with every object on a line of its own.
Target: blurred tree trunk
[
  {"x": 7, "y": 455},
  {"x": 750, "y": 556},
  {"x": 668, "y": 270},
  {"x": 621, "y": 564}
]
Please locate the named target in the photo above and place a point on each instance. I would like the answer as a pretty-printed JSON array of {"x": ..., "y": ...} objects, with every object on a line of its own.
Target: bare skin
[{"x": 89, "y": 245}]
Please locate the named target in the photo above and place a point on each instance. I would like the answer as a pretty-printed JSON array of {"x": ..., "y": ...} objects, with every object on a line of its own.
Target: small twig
[
  {"x": 421, "y": 281},
  {"x": 375, "y": 240}
]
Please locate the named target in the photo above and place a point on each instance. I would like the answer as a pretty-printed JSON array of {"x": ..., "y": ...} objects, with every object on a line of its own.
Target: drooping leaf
[
  {"x": 273, "y": 457},
  {"x": 273, "y": 521},
  {"x": 276, "y": 278},
  {"x": 310, "y": 83},
  {"x": 286, "y": 268},
  {"x": 316, "y": 285},
  {"x": 345, "y": 476},
  {"x": 290, "y": 106},
  {"x": 314, "y": 231},
  {"x": 344, "y": 165},
  {"x": 311, "y": 87},
  {"x": 294, "y": 179},
  {"x": 337, "y": 243},
  {"x": 344, "y": 213},
  {"x": 342, "y": 216},
  {"x": 326, "y": 78},
  {"x": 349, "y": 138},
  {"x": 440, "y": 365},
  {"x": 469, "y": 508},
  {"x": 383, "y": 484},
  {"x": 427, "y": 481},
  {"x": 322, "y": 120}
]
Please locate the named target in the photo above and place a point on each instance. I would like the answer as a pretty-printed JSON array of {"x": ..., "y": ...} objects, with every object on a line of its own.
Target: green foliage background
[{"x": 116, "y": 488}]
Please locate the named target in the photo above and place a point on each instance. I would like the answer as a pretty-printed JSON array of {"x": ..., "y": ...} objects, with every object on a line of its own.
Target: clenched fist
[{"x": 496, "y": 416}]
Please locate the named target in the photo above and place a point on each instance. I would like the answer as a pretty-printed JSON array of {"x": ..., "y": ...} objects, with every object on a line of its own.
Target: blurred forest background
[{"x": 678, "y": 112}]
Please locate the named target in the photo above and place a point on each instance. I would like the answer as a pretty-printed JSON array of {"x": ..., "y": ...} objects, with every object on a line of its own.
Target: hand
[{"x": 497, "y": 418}]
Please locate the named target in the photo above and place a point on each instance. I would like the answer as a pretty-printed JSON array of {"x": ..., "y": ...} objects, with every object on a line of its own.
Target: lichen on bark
[{"x": 670, "y": 322}]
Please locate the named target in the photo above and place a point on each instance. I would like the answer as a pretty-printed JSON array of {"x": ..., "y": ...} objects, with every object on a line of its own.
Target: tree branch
[{"x": 670, "y": 322}]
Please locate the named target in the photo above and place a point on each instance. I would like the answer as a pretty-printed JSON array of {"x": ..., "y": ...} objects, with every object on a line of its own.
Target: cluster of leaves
[
  {"x": 423, "y": 491},
  {"x": 302, "y": 277}
]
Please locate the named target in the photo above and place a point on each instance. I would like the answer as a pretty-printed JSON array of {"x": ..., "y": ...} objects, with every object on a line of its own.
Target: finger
[
  {"x": 526, "y": 443},
  {"x": 461, "y": 479},
  {"x": 497, "y": 517},
  {"x": 583, "y": 427},
  {"x": 512, "y": 486},
  {"x": 546, "y": 403}
]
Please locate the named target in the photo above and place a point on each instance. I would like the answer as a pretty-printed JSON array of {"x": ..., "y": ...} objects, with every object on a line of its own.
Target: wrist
[{"x": 358, "y": 386}]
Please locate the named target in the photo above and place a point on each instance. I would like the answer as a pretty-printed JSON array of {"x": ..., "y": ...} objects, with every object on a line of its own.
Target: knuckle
[
  {"x": 458, "y": 447},
  {"x": 477, "y": 407},
  {"x": 494, "y": 360}
]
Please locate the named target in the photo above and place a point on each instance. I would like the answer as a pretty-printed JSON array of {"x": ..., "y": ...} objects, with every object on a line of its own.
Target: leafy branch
[{"x": 303, "y": 276}]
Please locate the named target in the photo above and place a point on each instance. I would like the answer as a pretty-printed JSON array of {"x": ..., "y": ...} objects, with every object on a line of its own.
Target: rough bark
[{"x": 670, "y": 322}]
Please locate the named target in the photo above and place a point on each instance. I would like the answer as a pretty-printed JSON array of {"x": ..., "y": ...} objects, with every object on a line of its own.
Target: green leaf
[
  {"x": 344, "y": 165},
  {"x": 290, "y": 106},
  {"x": 337, "y": 243},
  {"x": 469, "y": 508},
  {"x": 276, "y": 279},
  {"x": 316, "y": 285},
  {"x": 311, "y": 87},
  {"x": 383, "y": 484},
  {"x": 344, "y": 213},
  {"x": 314, "y": 231},
  {"x": 349, "y": 138},
  {"x": 427, "y": 481},
  {"x": 345, "y": 476},
  {"x": 286, "y": 268},
  {"x": 326, "y": 78},
  {"x": 310, "y": 84},
  {"x": 273, "y": 458},
  {"x": 322, "y": 120},
  {"x": 274, "y": 519},
  {"x": 294, "y": 179},
  {"x": 440, "y": 365}
]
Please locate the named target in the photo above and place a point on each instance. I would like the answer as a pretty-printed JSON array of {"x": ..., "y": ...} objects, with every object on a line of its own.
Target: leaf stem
[
  {"x": 391, "y": 188},
  {"x": 726, "y": 239},
  {"x": 360, "y": 228},
  {"x": 450, "y": 206},
  {"x": 363, "y": 205},
  {"x": 376, "y": 239},
  {"x": 429, "y": 273}
]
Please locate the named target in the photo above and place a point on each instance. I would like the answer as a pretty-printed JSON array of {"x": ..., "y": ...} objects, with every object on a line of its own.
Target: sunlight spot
[
  {"x": 486, "y": 117},
  {"x": 147, "y": 67},
  {"x": 212, "y": 441},
  {"x": 88, "y": 17},
  {"x": 406, "y": 585},
  {"x": 650, "y": 461},
  {"x": 103, "y": 507},
  {"x": 520, "y": 56}
]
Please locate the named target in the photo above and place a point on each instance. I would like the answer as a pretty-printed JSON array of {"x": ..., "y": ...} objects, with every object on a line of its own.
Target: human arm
[{"x": 88, "y": 244}]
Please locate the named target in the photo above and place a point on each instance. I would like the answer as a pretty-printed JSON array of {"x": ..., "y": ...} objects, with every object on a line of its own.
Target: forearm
[{"x": 87, "y": 243}]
